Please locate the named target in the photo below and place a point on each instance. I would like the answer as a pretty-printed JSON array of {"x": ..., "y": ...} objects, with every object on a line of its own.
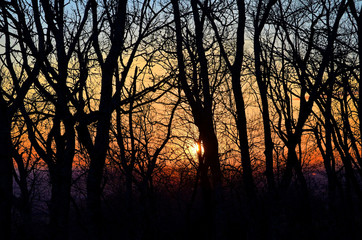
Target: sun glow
[{"x": 198, "y": 149}]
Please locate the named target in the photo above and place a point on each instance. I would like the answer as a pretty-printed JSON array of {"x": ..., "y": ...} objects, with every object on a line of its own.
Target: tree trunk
[
  {"x": 6, "y": 178},
  {"x": 95, "y": 175},
  {"x": 212, "y": 190},
  {"x": 269, "y": 145},
  {"x": 61, "y": 178},
  {"x": 211, "y": 152},
  {"x": 243, "y": 137},
  {"x": 23, "y": 203},
  {"x": 60, "y": 203},
  {"x": 329, "y": 159},
  {"x": 94, "y": 193},
  {"x": 294, "y": 163}
]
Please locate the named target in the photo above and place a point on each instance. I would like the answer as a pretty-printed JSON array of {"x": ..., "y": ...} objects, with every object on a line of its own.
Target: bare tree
[
  {"x": 235, "y": 71},
  {"x": 124, "y": 32},
  {"x": 309, "y": 79},
  {"x": 15, "y": 79},
  {"x": 261, "y": 73},
  {"x": 199, "y": 96},
  {"x": 357, "y": 15},
  {"x": 114, "y": 15},
  {"x": 51, "y": 98}
]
